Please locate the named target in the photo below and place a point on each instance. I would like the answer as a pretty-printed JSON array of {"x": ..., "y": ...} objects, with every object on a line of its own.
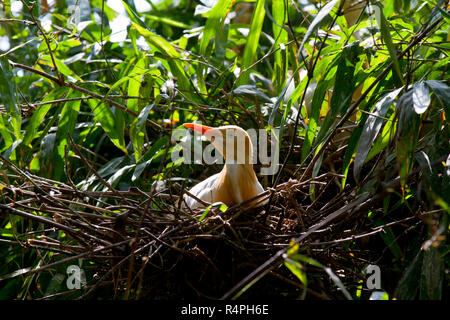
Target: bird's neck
[
  {"x": 239, "y": 169},
  {"x": 240, "y": 180}
]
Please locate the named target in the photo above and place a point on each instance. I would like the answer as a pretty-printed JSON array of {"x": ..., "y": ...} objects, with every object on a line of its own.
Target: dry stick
[
  {"x": 361, "y": 98},
  {"x": 91, "y": 169},
  {"x": 74, "y": 233},
  {"x": 28, "y": 177},
  {"x": 120, "y": 263},
  {"x": 267, "y": 266},
  {"x": 356, "y": 205},
  {"x": 363, "y": 235},
  {"x": 78, "y": 256},
  {"x": 82, "y": 90},
  {"x": 133, "y": 247},
  {"x": 18, "y": 20}
]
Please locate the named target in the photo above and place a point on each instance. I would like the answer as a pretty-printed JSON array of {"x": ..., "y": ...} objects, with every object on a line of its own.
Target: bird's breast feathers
[{"x": 231, "y": 186}]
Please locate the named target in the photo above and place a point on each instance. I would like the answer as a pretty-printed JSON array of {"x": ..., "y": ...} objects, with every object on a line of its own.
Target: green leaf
[
  {"x": 213, "y": 30},
  {"x": 317, "y": 20},
  {"x": 56, "y": 284},
  {"x": 421, "y": 97},
  {"x": 391, "y": 242},
  {"x": 442, "y": 92},
  {"x": 409, "y": 282},
  {"x": 110, "y": 124},
  {"x": 296, "y": 268},
  {"x": 382, "y": 141},
  {"x": 338, "y": 283},
  {"x": 222, "y": 207},
  {"x": 316, "y": 105},
  {"x": 344, "y": 86},
  {"x": 168, "y": 21},
  {"x": 279, "y": 14},
  {"x": 40, "y": 113},
  {"x": 371, "y": 128},
  {"x": 303, "y": 258},
  {"x": 407, "y": 134},
  {"x": 134, "y": 84},
  {"x": 386, "y": 35},
  {"x": 46, "y": 161},
  {"x": 66, "y": 126},
  {"x": 62, "y": 68},
  {"x": 176, "y": 65},
  {"x": 432, "y": 275},
  {"x": 14, "y": 274},
  {"x": 252, "y": 41},
  {"x": 137, "y": 131},
  {"x": 8, "y": 96},
  {"x": 68, "y": 117},
  {"x": 149, "y": 156},
  {"x": 214, "y": 25},
  {"x": 133, "y": 16},
  {"x": 7, "y": 138},
  {"x": 252, "y": 92}
]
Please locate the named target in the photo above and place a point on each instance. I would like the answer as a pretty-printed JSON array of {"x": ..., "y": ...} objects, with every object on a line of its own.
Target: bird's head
[{"x": 231, "y": 141}]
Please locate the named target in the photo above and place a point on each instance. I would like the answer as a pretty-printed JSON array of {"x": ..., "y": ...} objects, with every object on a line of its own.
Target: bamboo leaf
[
  {"x": 296, "y": 268},
  {"x": 136, "y": 131},
  {"x": 7, "y": 138},
  {"x": 338, "y": 283},
  {"x": 40, "y": 113},
  {"x": 252, "y": 92},
  {"x": 213, "y": 30},
  {"x": 252, "y": 42},
  {"x": 386, "y": 35},
  {"x": 148, "y": 157},
  {"x": 316, "y": 105},
  {"x": 15, "y": 273},
  {"x": 409, "y": 282},
  {"x": 344, "y": 86},
  {"x": 407, "y": 134},
  {"x": 317, "y": 20},
  {"x": 134, "y": 84},
  {"x": 8, "y": 96},
  {"x": 421, "y": 97},
  {"x": 279, "y": 14},
  {"x": 66, "y": 126},
  {"x": 176, "y": 66},
  {"x": 432, "y": 275},
  {"x": 442, "y": 92},
  {"x": 214, "y": 25},
  {"x": 110, "y": 124},
  {"x": 371, "y": 128}
]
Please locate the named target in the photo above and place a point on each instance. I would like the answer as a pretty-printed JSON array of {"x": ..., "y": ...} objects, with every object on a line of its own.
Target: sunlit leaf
[
  {"x": 40, "y": 113},
  {"x": 252, "y": 41},
  {"x": 386, "y": 35},
  {"x": 371, "y": 128},
  {"x": 8, "y": 96},
  {"x": 109, "y": 123},
  {"x": 421, "y": 97}
]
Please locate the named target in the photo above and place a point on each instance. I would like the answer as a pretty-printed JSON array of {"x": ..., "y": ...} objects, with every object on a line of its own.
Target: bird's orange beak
[{"x": 197, "y": 127}]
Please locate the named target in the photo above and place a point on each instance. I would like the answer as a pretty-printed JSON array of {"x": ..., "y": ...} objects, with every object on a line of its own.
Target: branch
[{"x": 82, "y": 90}]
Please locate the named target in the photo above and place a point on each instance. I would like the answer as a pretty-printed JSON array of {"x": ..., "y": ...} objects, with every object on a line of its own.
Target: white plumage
[{"x": 237, "y": 181}]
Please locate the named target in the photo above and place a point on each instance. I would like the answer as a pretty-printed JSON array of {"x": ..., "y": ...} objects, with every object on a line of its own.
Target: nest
[{"x": 137, "y": 244}]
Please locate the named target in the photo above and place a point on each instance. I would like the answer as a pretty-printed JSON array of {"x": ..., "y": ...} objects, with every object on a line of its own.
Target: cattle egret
[{"x": 237, "y": 181}]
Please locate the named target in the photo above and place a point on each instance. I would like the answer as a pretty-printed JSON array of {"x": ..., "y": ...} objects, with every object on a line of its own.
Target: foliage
[{"x": 358, "y": 89}]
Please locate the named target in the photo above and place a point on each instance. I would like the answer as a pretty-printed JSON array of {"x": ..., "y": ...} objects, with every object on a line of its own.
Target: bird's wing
[{"x": 205, "y": 190}]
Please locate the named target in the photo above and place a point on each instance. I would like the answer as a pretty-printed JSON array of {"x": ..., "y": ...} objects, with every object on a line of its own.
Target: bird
[{"x": 237, "y": 182}]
